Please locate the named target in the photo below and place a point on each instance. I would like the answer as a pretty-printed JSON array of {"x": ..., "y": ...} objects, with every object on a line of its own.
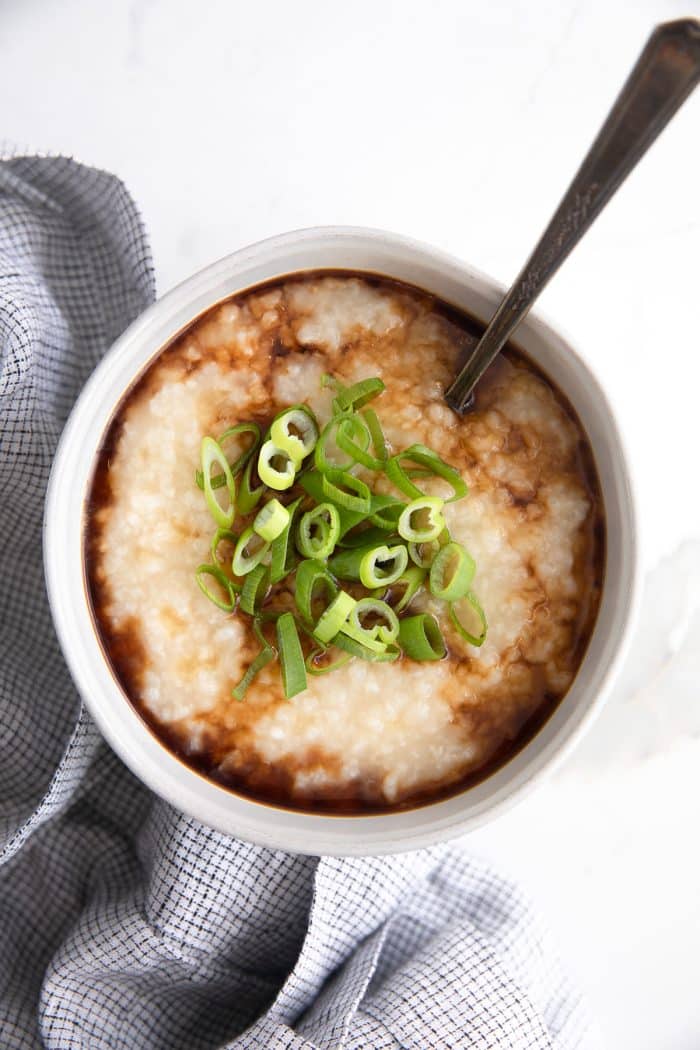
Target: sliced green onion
[
  {"x": 423, "y": 554},
  {"x": 364, "y": 637},
  {"x": 350, "y": 428},
  {"x": 314, "y": 667},
  {"x": 387, "y": 630},
  {"x": 221, "y": 536},
  {"x": 370, "y": 537},
  {"x": 212, "y": 453},
  {"x": 386, "y": 511},
  {"x": 250, "y": 551},
  {"x": 409, "y": 582},
  {"x": 318, "y": 531},
  {"x": 347, "y": 565},
  {"x": 347, "y": 491},
  {"x": 242, "y": 428},
  {"x": 237, "y": 466},
  {"x": 271, "y": 520},
  {"x": 291, "y": 656},
  {"x": 249, "y": 497},
  {"x": 422, "y": 520},
  {"x": 475, "y": 639},
  {"x": 266, "y": 654},
  {"x": 255, "y": 588},
  {"x": 310, "y": 575},
  {"x": 295, "y": 431},
  {"x": 421, "y": 638},
  {"x": 222, "y": 579},
  {"x": 451, "y": 573},
  {"x": 355, "y": 648},
  {"x": 312, "y": 483},
  {"x": 325, "y": 447},
  {"x": 334, "y": 617},
  {"x": 276, "y": 467},
  {"x": 382, "y": 566},
  {"x": 357, "y": 395},
  {"x": 282, "y": 556},
  {"x": 432, "y": 464},
  {"x": 376, "y": 433}
]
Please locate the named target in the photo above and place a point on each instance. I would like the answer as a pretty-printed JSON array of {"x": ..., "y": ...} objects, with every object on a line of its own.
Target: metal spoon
[{"x": 666, "y": 72}]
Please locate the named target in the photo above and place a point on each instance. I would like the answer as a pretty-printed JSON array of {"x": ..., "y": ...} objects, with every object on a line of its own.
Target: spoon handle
[{"x": 666, "y": 72}]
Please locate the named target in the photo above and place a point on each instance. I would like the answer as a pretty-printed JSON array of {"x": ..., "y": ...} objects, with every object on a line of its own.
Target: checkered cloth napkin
[{"x": 123, "y": 923}]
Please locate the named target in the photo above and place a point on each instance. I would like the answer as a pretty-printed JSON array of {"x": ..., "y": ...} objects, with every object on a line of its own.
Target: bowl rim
[{"x": 294, "y": 830}]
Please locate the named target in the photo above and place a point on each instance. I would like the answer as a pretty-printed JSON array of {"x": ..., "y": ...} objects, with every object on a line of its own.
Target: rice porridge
[{"x": 369, "y": 736}]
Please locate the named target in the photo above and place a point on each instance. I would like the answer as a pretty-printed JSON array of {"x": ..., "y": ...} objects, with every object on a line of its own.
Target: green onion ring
[
  {"x": 411, "y": 581},
  {"x": 312, "y": 484},
  {"x": 291, "y": 656},
  {"x": 357, "y": 395},
  {"x": 431, "y": 507},
  {"x": 355, "y": 648},
  {"x": 363, "y": 636},
  {"x": 282, "y": 556},
  {"x": 430, "y": 461},
  {"x": 372, "y": 575},
  {"x": 334, "y": 617},
  {"x": 370, "y": 537},
  {"x": 266, "y": 654},
  {"x": 255, "y": 588},
  {"x": 318, "y": 531},
  {"x": 329, "y": 435},
  {"x": 376, "y": 433},
  {"x": 244, "y": 561},
  {"x": 347, "y": 491},
  {"x": 348, "y": 428},
  {"x": 474, "y": 639},
  {"x": 386, "y": 511},
  {"x": 421, "y": 638},
  {"x": 212, "y": 453},
  {"x": 278, "y": 478},
  {"x": 222, "y": 579},
  {"x": 221, "y": 536},
  {"x": 312, "y": 665},
  {"x": 451, "y": 573},
  {"x": 241, "y": 428},
  {"x": 298, "y": 446},
  {"x": 423, "y": 554},
  {"x": 386, "y": 632},
  {"x": 271, "y": 520},
  {"x": 309, "y": 575},
  {"x": 249, "y": 497}
]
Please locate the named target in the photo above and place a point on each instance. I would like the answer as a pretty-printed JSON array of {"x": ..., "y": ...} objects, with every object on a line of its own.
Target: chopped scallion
[
  {"x": 318, "y": 532},
  {"x": 211, "y": 453},
  {"x": 276, "y": 467},
  {"x": 271, "y": 520},
  {"x": 295, "y": 431},
  {"x": 250, "y": 551},
  {"x": 422, "y": 520},
  {"x": 421, "y": 638},
  {"x": 451, "y": 573},
  {"x": 227, "y": 604},
  {"x": 474, "y": 603},
  {"x": 291, "y": 656}
]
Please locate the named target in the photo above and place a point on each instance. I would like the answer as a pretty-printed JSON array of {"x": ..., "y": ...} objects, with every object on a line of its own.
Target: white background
[{"x": 460, "y": 123}]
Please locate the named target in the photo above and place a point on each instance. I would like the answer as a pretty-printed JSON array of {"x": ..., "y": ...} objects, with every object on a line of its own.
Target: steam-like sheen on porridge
[{"x": 367, "y": 735}]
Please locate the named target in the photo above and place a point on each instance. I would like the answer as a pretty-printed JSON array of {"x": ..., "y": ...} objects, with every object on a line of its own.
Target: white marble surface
[{"x": 459, "y": 123}]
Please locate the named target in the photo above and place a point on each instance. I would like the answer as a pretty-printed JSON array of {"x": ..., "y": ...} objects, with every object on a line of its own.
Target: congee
[{"x": 317, "y": 585}]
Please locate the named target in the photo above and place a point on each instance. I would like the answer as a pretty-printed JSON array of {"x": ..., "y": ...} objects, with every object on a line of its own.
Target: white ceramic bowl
[{"x": 446, "y": 277}]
